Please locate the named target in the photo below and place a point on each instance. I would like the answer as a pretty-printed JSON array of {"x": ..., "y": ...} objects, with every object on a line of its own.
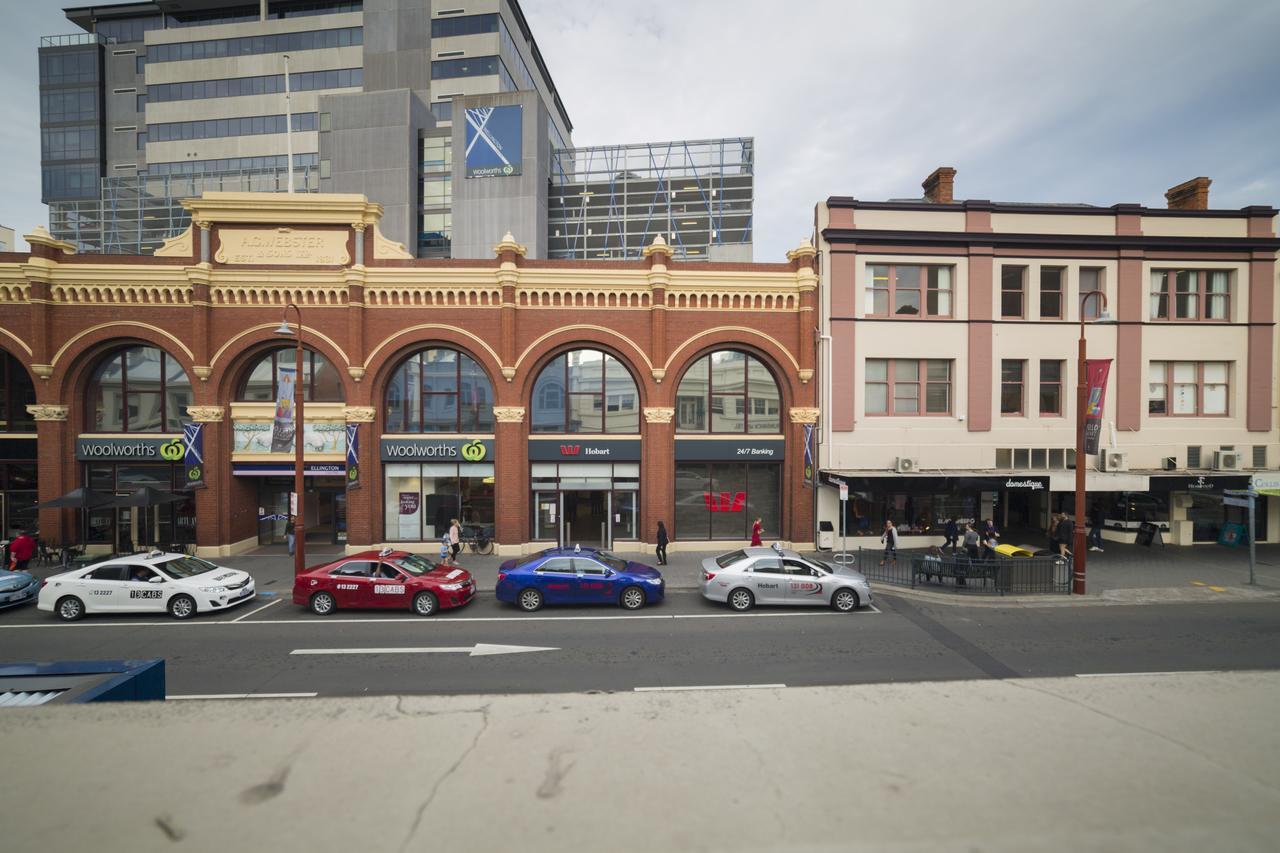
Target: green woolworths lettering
[
  {"x": 172, "y": 451},
  {"x": 473, "y": 451}
]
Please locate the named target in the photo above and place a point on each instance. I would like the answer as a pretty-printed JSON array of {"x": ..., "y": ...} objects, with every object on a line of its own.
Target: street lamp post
[
  {"x": 1079, "y": 547},
  {"x": 299, "y": 429}
]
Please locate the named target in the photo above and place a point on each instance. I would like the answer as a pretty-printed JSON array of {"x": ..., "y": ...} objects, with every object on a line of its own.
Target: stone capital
[
  {"x": 658, "y": 373},
  {"x": 508, "y": 373},
  {"x": 805, "y": 375},
  {"x": 44, "y": 371},
  {"x": 804, "y": 415},
  {"x": 356, "y": 373},
  {"x": 48, "y": 412},
  {"x": 207, "y": 414},
  {"x": 358, "y": 414},
  {"x": 509, "y": 414},
  {"x": 659, "y": 414},
  {"x": 202, "y": 372}
]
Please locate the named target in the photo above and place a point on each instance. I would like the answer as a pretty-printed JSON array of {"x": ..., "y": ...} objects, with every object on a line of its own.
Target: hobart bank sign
[{"x": 158, "y": 449}]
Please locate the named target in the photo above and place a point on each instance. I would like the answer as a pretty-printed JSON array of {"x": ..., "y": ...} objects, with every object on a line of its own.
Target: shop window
[
  {"x": 421, "y": 499},
  {"x": 585, "y": 391},
  {"x": 439, "y": 390},
  {"x": 137, "y": 389},
  {"x": 16, "y": 393},
  {"x": 728, "y": 392},
  {"x": 321, "y": 381},
  {"x": 723, "y": 500}
]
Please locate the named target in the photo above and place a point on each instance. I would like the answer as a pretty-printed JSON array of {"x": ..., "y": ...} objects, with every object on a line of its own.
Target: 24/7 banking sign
[{"x": 493, "y": 141}]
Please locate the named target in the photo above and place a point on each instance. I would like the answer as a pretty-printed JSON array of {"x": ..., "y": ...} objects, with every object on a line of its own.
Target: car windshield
[
  {"x": 725, "y": 560},
  {"x": 186, "y": 567},
  {"x": 825, "y": 566},
  {"x": 415, "y": 565},
  {"x": 613, "y": 561}
]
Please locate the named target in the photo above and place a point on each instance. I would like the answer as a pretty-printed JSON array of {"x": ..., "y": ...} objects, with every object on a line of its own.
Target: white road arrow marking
[{"x": 478, "y": 650}]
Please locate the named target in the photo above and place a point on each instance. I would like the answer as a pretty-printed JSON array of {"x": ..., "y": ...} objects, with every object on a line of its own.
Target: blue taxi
[{"x": 577, "y": 576}]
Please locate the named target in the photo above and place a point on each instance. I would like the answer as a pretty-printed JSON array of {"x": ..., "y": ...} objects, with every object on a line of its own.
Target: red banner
[{"x": 1096, "y": 371}]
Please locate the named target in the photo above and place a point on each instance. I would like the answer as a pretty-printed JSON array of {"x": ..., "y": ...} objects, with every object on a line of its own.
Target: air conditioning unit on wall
[
  {"x": 907, "y": 465},
  {"x": 1226, "y": 460},
  {"x": 1114, "y": 460}
]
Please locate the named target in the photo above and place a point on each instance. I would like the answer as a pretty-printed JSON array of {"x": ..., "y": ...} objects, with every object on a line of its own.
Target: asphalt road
[{"x": 682, "y": 642}]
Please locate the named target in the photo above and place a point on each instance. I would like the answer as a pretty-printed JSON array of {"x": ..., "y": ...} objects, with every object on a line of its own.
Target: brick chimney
[
  {"x": 1191, "y": 195},
  {"x": 938, "y": 186}
]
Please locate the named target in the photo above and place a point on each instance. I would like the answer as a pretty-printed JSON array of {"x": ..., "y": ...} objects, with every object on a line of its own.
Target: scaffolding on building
[
  {"x": 611, "y": 201},
  {"x": 135, "y": 214}
]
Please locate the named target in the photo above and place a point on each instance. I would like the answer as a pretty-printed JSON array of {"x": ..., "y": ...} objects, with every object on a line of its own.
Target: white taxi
[{"x": 146, "y": 583}]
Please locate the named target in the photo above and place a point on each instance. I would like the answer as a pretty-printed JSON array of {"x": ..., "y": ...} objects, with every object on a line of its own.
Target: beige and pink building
[{"x": 948, "y": 362}]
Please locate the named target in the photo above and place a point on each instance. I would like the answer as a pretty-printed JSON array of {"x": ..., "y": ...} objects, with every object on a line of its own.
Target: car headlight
[
  {"x": 213, "y": 590},
  {"x": 451, "y": 587},
  {"x": 654, "y": 581}
]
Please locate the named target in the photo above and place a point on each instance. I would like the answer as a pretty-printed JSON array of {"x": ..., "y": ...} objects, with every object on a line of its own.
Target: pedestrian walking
[
  {"x": 890, "y": 540},
  {"x": 988, "y": 530},
  {"x": 952, "y": 535},
  {"x": 971, "y": 540},
  {"x": 1095, "y": 526},
  {"x": 1053, "y": 532},
  {"x": 288, "y": 534},
  {"x": 1066, "y": 529},
  {"x": 757, "y": 531},
  {"x": 663, "y": 541},
  {"x": 455, "y": 539},
  {"x": 21, "y": 551}
]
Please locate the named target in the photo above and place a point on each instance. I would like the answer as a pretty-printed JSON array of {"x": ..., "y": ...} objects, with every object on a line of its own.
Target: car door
[
  {"x": 595, "y": 582},
  {"x": 144, "y": 589},
  {"x": 353, "y": 583},
  {"x": 389, "y": 588},
  {"x": 557, "y": 580},
  {"x": 768, "y": 580},
  {"x": 804, "y": 586},
  {"x": 102, "y": 589}
]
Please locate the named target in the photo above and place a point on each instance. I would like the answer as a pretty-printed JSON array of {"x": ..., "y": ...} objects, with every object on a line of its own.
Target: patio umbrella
[
  {"x": 77, "y": 499},
  {"x": 146, "y": 496}
]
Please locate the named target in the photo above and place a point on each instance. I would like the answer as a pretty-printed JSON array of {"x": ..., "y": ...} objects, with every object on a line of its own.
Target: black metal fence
[{"x": 958, "y": 573}]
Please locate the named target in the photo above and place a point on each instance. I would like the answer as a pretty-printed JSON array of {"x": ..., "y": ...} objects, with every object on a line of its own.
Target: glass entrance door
[{"x": 585, "y": 519}]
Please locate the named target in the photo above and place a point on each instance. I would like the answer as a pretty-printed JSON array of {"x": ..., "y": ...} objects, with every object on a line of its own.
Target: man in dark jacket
[
  {"x": 1064, "y": 534},
  {"x": 952, "y": 534},
  {"x": 1095, "y": 527},
  {"x": 663, "y": 541}
]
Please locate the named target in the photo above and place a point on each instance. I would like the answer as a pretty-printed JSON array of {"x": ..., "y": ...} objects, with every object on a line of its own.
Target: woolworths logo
[
  {"x": 473, "y": 451},
  {"x": 171, "y": 451}
]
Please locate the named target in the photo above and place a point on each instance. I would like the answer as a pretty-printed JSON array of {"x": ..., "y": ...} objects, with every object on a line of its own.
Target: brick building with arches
[{"x": 569, "y": 401}]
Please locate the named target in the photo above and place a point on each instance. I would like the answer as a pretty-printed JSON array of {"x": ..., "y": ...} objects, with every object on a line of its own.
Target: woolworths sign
[
  {"x": 427, "y": 449},
  {"x": 162, "y": 448}
]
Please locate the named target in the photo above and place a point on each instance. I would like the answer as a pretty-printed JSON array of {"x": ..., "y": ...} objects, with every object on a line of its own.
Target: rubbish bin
[{"x": 826, "y": 536}]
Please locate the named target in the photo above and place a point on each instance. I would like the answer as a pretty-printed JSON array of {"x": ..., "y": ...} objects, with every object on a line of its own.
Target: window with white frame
[
  {"x": 1188, "y": 388},
  {"x": 908, "y": 290},
  {"x": 908, "y": 387},
  {"x": 1191, "y": 295}
]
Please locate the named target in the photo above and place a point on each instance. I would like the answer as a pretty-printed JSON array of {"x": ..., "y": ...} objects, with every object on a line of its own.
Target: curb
[{"x": 1111, "y": 598}]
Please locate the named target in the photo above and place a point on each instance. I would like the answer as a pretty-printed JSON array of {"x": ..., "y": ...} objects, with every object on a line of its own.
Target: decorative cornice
[
  {"x": 509, "y": 244},
  {"x": 48, "y": 412},
  {"x": 44, "y": 371},
  {"x": 384, "y": 248},
  {"x": 804, "y": 415},
  {"x": 40, "y": 236},
  {"x": 207, "y": 414},
  {"x": 359, "y": 414},
  {"x": 658, "y": 414},
  {"x": 356, "y": 373},
  {"x": 509, "y": 414},
  {"x": 181, "y": 246}
]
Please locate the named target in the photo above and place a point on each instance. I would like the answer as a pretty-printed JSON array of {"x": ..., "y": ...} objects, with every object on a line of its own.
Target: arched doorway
[{"x": 18, "y": 460}]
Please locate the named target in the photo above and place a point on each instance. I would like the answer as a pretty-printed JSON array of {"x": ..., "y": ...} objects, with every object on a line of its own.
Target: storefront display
[
  {"x": 420, "y": 499},
  {"x": 585, "y": 503},
  {"x": 126, "y": 529}
]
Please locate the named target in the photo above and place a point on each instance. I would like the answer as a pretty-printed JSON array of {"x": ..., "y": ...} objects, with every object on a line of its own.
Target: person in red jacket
[{"x": 21, "y": 550}]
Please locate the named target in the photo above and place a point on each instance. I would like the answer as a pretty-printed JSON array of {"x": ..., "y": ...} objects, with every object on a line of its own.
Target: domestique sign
[
  {"x": 281, "y": 246},
  {"x": 436, "y": 450},
  {"x": 156, "y": 449}
]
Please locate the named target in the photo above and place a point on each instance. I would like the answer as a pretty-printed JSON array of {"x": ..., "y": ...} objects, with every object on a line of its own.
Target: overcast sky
[{"x": 1096, "y": 102}]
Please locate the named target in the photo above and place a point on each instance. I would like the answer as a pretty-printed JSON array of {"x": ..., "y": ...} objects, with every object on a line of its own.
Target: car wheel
[
  {"x": 424, "y": 604},
  {"x": 182, "y": 607},
  {"x": 632, "y": 598},
  {"x": 70, "y": 608},
  {"x": 741, "y": 600},
  {"x": 322, "y": 604},
  {"x": 529, "y": 600},
  {"x": 845, "y": 600}
]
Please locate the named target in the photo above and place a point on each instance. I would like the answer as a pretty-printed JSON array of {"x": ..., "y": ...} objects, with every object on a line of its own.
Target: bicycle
[{"x": 478, "y": 539}]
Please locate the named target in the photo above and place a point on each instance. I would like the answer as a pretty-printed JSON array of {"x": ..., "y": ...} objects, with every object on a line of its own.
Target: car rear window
[
  {"x": 530, "y": 558},
  {"x": 725, "y": 560}
]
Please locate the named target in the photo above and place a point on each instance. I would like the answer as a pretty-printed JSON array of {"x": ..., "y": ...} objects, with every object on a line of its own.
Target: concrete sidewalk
[
  {"x": 1131, "y": 763},
  {"x": 1127, "y": 574}
]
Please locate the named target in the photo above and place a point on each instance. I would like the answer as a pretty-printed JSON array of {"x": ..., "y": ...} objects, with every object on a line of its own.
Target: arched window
[
  {"x": 321, "y": 382},
  {"x": 16, "y": 393},
  {"x": 585, "y": 391},
  {"x": 728, "y": 392},
  {"x": 137, "y": 389},
  {"x": 439, "y": 390}
]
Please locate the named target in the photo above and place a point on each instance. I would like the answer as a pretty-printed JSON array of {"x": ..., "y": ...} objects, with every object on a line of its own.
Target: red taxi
[{"x": 387, "y": 578}]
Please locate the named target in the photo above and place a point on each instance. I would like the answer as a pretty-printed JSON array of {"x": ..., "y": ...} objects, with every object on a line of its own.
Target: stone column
[
  {"x": 799, "y": 497},
  {"x": 509, "y": 254},
  {"x": 212, "y": 524},
  {"x": 511, "y": 478},
  {"x": 802, "y": 262},
  {"x": 658, "y": 255},
  {"x": 56, "y": 525},
  {"x": 363, "y": 507},
  {"x": 657, "y": 473}
]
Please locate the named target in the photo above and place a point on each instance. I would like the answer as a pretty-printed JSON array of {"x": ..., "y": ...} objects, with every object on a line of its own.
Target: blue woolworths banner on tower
[{"x": 493, "y": 141}]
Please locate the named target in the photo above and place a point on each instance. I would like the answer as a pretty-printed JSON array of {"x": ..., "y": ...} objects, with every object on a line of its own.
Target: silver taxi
[{"x": 776, "y": 575}]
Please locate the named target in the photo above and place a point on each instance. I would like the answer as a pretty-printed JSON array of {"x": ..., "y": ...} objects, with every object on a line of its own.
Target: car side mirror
[
  {"x": 155, "y": 580},
  {"x": 609, "y": 573}
]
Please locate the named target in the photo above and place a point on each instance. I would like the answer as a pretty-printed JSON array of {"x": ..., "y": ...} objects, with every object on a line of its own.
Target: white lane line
[
  {"x": 461, "y": 620},
  {"x": 478, "y": 650},
  {"x": 259, "y": 610},
  {"x": 1145, "y": 674},
  {"x": 709, "y": 687},
  {"x": 243, "y": 696}
]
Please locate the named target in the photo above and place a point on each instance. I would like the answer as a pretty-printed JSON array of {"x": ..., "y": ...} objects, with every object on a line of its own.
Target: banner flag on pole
[
  {"x": 193, "y": 454},
  {"x": 284, "y": 427},
  {"x": 353, "y": 456},
  {"x": 1096, "y": 371},
  {"x": 810, "y": 474}
]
